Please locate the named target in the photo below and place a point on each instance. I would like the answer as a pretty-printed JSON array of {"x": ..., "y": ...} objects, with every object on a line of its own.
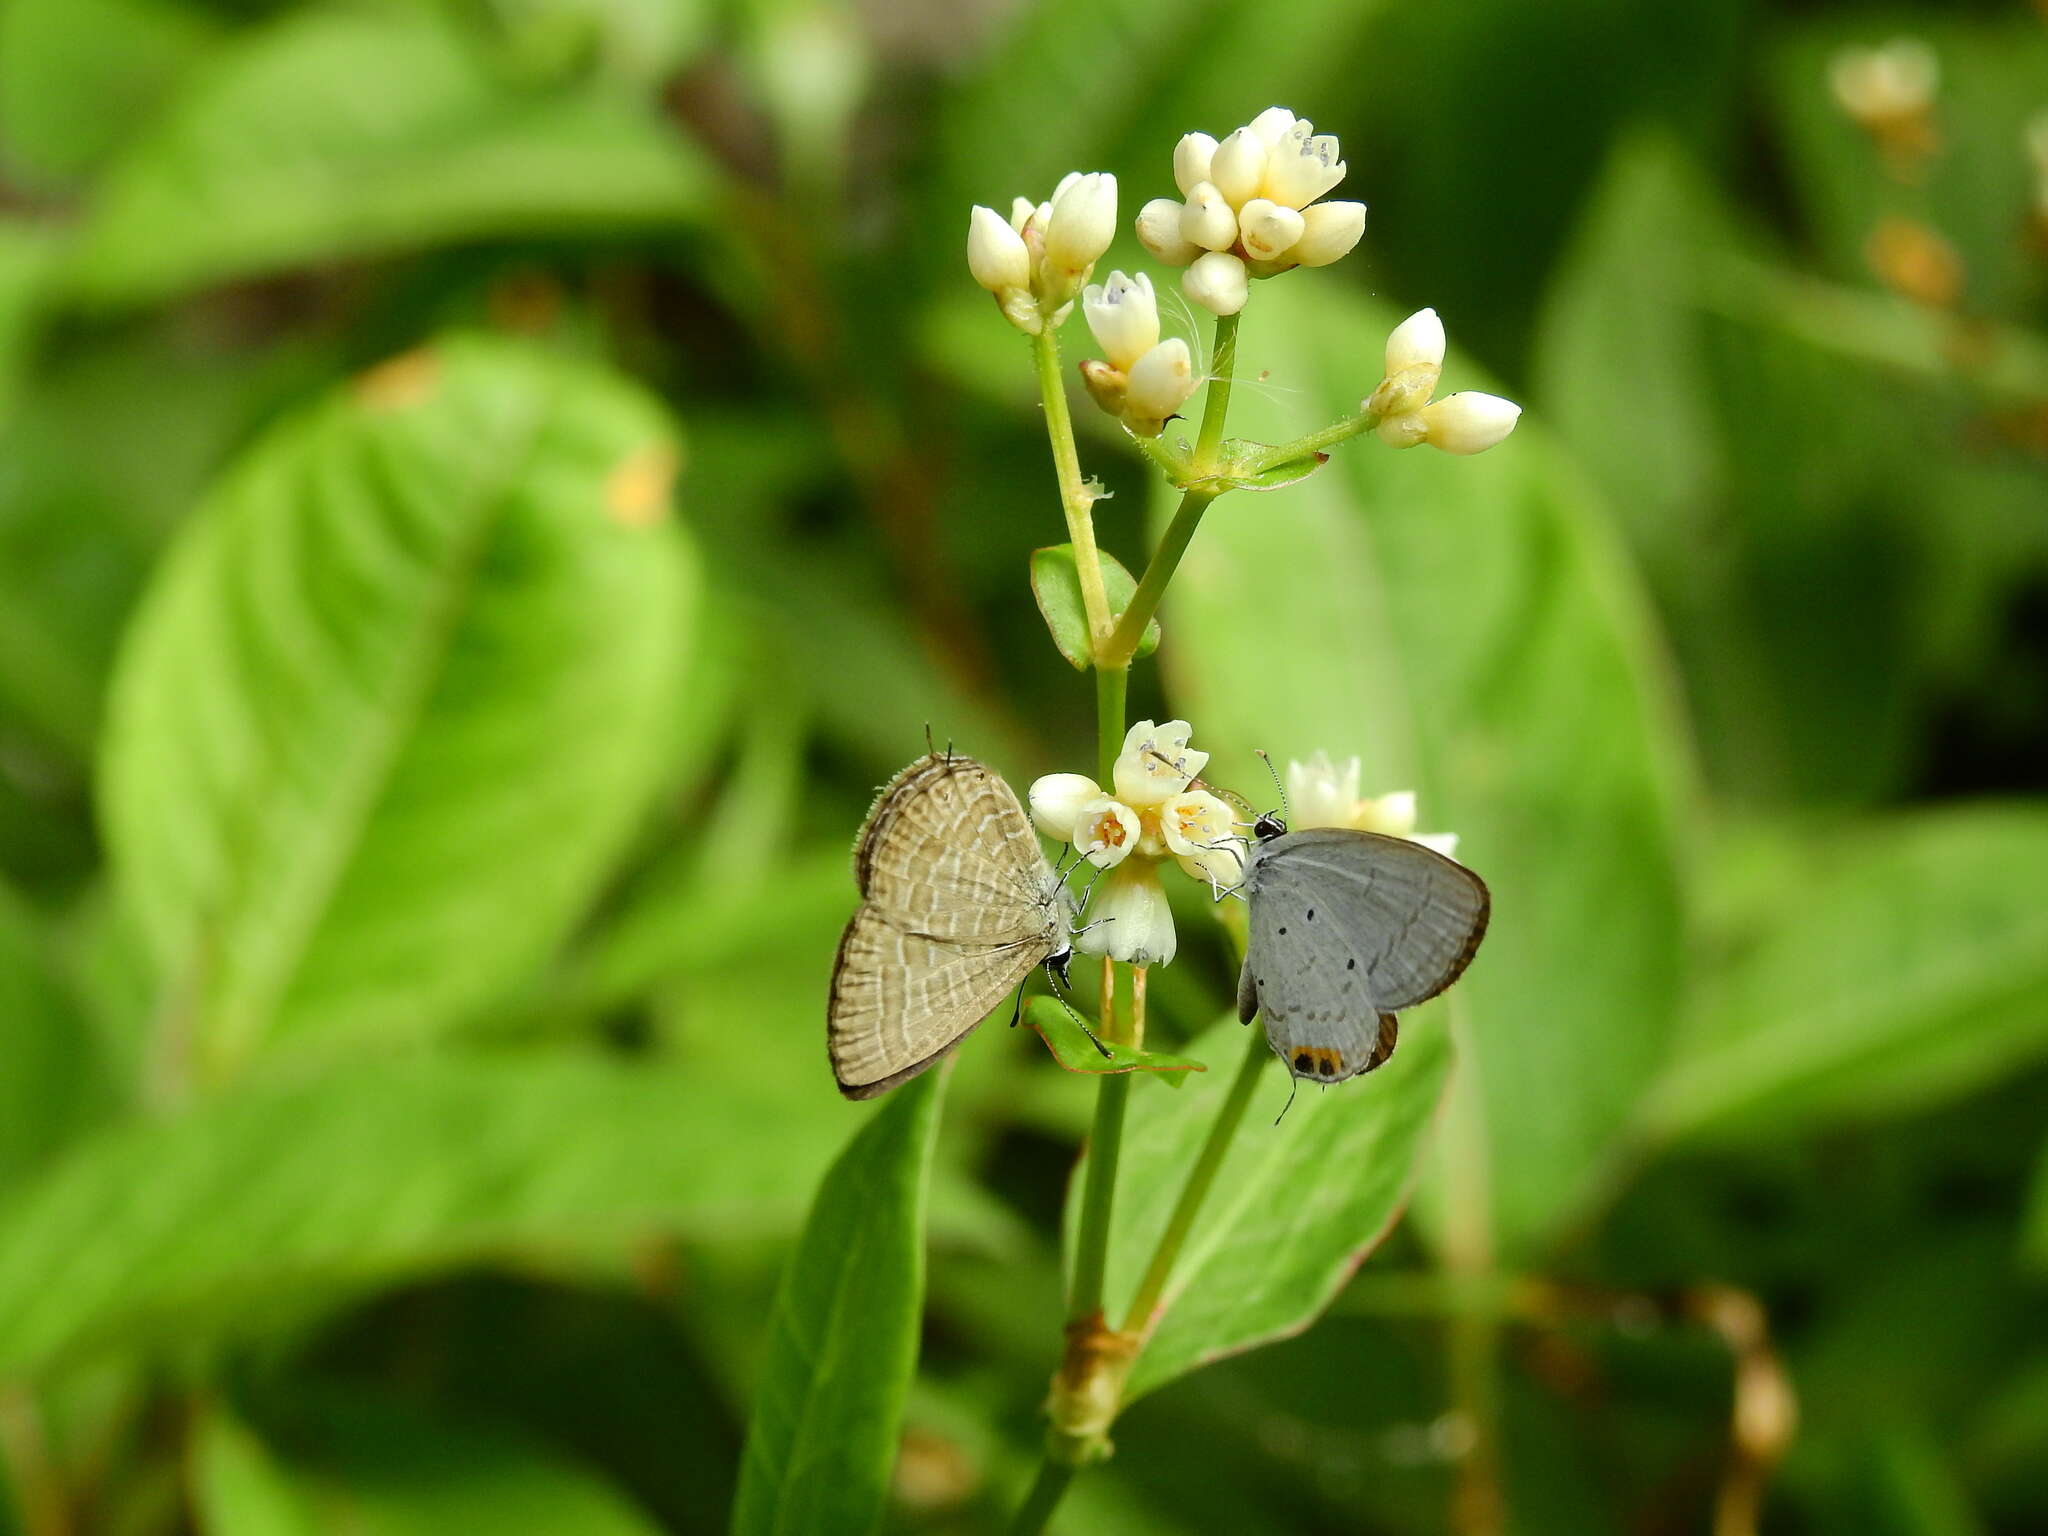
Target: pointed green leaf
[
  {"x": 1907, "y": 967},
  {"x": 284, "y": 1190},
  {"x": 1057, "y": 587},
  {"x": 829, "y": 1405},
  {"x": 1073, "y": 1050},
  {"x": 1295, "y": 1208},
  {"x": 1468, "y": 627},
  {"x": 395, "y": 700},
  {"x": 339, "y": 132},
  {"x": 1275, "y": 478}
]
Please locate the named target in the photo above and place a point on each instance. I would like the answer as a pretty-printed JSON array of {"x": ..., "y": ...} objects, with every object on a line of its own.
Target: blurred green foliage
[{"x": 421, "y": 852}]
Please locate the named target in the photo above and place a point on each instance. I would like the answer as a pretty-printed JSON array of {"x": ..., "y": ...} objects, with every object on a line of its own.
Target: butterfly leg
[{"x": 1059, "y": 991}]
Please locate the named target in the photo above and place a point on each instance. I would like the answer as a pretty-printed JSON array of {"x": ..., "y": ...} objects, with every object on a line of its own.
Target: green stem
[
  {"x": 1111, "y": 683},
  {"x": 1201, "y": 1178},
  {"x": 1075, "y": 500},
  {"x": 1313, "y": 442},
  {"x": 1217, "y": 404},
  {"x": 1121, "y": 646},
  {"x": 1046, "y": 1488}
]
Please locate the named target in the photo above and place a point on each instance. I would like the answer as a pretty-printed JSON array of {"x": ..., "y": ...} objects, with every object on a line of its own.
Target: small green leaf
[
  {"x": 1269, "y": 479},
  {"x": 829, "y": 1405},
  {"x": 1294, "y": 1209},
  {"x": 396, "y": 699},
  {"x": 1057, "y": 586},
  {"x": 277, "y": 157},
  {"x": 1073, "y": 1050}
]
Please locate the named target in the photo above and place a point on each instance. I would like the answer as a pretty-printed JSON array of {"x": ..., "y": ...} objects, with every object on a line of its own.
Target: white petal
[
  {"x": 1273, "y": 124},
  {"x": 1321, "y": 795},
  {"x": 1191, "y": 158},
  {"x": 1301, "y": 169},
  {"x": 1218, "y": 282},
  {"x": 1468, "y": 422},
  {"x": 1445, "y": 843},
  {"x": 1159, "y": 232},
  {"x": 1056, "y": 799},
  {"x": 1195, "y": 822},
  {"x": 1239, "y": 166},
  {"x": 1207, "y": 220},
  {"x": 1129, "y": 919},
  {"x": 1124, "y": 317},
  {"x": 1329, "y": 231},
  {"x": 1393, "y": 814},
  {"x": 1156, "y": 763}
]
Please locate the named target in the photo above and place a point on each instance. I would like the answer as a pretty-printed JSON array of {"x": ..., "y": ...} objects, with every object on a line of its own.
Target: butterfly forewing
[
  {"x": 947, "y": 843},
  {"x": 959, "y": 908}
]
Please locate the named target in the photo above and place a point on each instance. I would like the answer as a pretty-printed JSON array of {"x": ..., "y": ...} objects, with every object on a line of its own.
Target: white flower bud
[
  {"x": 1106, "y": 832},
  {"x": 1301, "y": 169},
  {"x": 1218, "y": 282},
  {"x": 1083, "y": 222},
  {"x": 1160, "y": 383},
  {"x": 1208, "y": 220},
  {"x": 1238, "y": 167},
  {"x": 1129, "y": 919},
  {"x": 1880, "y": 85},
  {"x": 1329, "y": 230},
  {"x": 1057, "y": 799},
  {"x": 1445, "y": 843},
  {"x": 1124, "y": 317},
  {"x": 1273, "y": 124},
  {"x": 1468, "y": 422},
  {"x": 1417, "y": 341},
  {"x": 995, "y": 252},
  {"x": 1320, "y": 794},
  {"x": 1156, "y": 763},
  {"x": 1021, "y": 210},
  {"x": 1159, "y": 232},
  {"x": 1392, "y": 814},
  {"x": 1065, "y": 182},
  {"x": 1267, "y": 229},
  {"x": 1191, "y": 157}
]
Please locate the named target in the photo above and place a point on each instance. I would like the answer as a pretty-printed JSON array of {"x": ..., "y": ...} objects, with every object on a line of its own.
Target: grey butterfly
[
  {"x": 1347, "y": 929},
  {"x": 958, "y": 908}
]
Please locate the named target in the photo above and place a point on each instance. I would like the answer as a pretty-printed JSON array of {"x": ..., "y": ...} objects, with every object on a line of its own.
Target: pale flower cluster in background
[
  {"x": 1889, "y": 93},
  {"x": 1037, "y": 260},
  {"x": 1250, "y": 209},
  {"x": 1139, "y": 378},
  {"x": 1148, "y": 816},
  {"x": 1322, "y": 795},
  {"x": 1467, "y": 422}
]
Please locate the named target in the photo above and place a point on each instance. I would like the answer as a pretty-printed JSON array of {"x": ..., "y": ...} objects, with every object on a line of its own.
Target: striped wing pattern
[{"x": 958, "y": 908}]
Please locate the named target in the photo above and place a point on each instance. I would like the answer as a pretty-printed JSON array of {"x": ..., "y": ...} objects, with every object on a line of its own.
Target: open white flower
[
  {"x": 1466, "y": 422},
  {"x": 1321, "y": 794},
  {"x": 1038, "y": 259},
  {"x": 1198, "y": 830},
  {"x": 1250, "y": 208},
  {"x": 1156, "y": 763},
  {"x": 1129, "y": 919}
]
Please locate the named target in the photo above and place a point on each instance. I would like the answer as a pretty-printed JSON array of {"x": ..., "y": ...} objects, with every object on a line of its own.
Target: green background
[{"x": 421, "y": 855}]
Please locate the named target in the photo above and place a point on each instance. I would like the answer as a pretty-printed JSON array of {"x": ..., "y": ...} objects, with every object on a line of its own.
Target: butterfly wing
[
  {"x": 947, "y": 851},
  {"x": 902, "y": 1000},
  {"x": 1346, "y": 927},
  {"x": 1415, "y": 917}
]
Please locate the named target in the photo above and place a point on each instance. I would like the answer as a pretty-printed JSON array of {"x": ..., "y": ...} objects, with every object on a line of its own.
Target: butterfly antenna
[{"x": 1285, "y": 808}]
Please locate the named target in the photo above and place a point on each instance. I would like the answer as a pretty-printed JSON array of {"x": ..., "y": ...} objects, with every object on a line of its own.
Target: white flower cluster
[
  {"x": 1468, "y": 422},
  {"x": 1322, "y": 795},
  {"x": 1144, "y": 380},
  {"x": 1879, "y": 87},
  {"x": 1035, "y": 261},
  {"x": 1148, "y": 816},
  {"x": 1251, "y": 209}
]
